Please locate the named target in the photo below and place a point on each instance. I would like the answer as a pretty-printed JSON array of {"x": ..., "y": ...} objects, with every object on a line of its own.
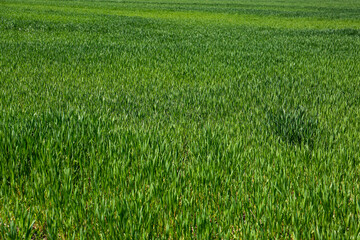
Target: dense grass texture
[{"x": 164, "y": 119}]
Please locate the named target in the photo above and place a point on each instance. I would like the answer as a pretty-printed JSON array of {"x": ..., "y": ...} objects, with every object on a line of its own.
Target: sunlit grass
[
  {"x": 86, "y": 13},
  {"x": 179, "y": 119}
]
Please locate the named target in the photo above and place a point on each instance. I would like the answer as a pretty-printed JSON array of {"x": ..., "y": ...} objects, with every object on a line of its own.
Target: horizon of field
[{"x": 249, "y": 15}]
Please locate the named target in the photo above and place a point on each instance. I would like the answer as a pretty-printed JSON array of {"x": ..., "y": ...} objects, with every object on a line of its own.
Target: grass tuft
[{"x": 294, "y": 126}]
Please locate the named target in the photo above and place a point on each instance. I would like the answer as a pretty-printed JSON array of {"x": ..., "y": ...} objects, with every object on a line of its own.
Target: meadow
[{"x": 159, "y": 119}]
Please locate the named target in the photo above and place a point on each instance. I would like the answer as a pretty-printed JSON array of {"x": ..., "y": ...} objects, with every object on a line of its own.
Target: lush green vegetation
[{"x": 179, "y": 119}]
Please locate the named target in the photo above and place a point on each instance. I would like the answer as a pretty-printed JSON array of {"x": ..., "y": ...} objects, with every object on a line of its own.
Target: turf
[{"x": 179, "y": 119}]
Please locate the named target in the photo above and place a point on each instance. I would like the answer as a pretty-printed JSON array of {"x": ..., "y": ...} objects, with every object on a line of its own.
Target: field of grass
[{"x": 163, "y": 119}]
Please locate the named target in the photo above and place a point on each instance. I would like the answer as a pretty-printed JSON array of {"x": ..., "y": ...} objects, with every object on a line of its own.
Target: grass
[
  {"x": 294, "y": 126},
  {"x": 179, "y": 119}
]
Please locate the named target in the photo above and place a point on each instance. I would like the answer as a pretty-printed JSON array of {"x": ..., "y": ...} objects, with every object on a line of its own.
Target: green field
[{"x": 179, "y": 119}]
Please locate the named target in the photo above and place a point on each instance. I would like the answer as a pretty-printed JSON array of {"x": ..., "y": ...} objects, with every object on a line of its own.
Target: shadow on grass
[{"x": 294, "y": 126}]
